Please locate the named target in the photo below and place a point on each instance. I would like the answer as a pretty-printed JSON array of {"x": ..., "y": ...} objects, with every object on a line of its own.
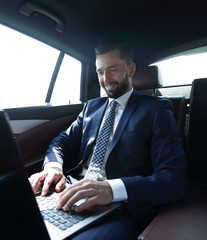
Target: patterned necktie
[{"x": 101, "y": 144}]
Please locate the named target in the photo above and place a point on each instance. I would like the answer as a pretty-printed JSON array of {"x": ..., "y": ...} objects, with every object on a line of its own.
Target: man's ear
[{"x": 132, "y": 69}]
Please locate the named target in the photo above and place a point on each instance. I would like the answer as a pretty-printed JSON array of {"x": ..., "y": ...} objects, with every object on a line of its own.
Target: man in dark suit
[{"x": 144, "y": 161}]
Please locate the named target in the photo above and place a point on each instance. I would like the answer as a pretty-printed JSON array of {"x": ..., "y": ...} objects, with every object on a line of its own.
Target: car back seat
[
  {"x": 147, "y": 80},
  {"x": 197, "y": 134},
  {"x": 187, "y": 219}
]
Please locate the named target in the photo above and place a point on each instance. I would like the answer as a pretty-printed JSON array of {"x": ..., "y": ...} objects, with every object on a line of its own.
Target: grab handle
[{"x": 28, "y": 8}]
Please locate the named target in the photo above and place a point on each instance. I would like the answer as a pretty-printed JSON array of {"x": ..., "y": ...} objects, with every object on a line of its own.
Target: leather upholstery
[
  {"x": 184, "y": 220},
  {"x": 147, "y": 80},
  {"x": 187, "y": 219},
  {"x": 148, "y": 77},
  {"x": 180, "y": 111},
  {"x": 197, "y": 134}
]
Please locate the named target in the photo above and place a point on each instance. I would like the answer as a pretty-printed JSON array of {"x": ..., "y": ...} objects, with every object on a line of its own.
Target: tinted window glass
[
  {"x": 27, "y": 66},
  {"x": 183, "y": 69},
  {"x": 67, "y": 86}
]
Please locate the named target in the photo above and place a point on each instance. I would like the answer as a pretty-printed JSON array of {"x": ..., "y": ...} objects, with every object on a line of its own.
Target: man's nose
[{"x": 106, "y": 76}]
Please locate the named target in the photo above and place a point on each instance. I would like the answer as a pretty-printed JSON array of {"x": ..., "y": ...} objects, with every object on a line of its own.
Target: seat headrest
[{"x": 147, "y": 78}]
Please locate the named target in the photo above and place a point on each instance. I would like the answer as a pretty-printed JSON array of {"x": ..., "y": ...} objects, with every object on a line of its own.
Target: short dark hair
[{"x": 106, "y": 46}]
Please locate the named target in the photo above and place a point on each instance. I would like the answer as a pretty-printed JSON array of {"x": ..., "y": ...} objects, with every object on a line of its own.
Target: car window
[
  {"x": 27, "y": 66},
  {"x": 183, "y": 69},
  {"x": 67, "y": 86}
]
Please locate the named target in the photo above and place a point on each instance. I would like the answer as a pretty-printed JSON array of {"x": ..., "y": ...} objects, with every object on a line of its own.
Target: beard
[{"x": 121, "y": 88}]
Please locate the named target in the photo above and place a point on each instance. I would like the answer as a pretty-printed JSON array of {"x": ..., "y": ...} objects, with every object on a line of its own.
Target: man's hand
[
  {"x": 47, "y": 177},
  {"x": 94, "y": 193}
]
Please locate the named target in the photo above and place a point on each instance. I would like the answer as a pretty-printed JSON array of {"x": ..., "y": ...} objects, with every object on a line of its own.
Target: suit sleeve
[
  {"x": 67, "y": 142},
  {"x": 168, "y": 182}
]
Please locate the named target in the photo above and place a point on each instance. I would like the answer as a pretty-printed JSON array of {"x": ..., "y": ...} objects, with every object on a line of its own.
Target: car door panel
[{"x": 42, "y": 124}]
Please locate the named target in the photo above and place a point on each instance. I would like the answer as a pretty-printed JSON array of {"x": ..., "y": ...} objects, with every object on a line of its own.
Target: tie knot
[{"x": 113, "y": 104}]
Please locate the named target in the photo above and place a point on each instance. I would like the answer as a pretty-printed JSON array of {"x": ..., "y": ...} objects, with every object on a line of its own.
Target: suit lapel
[
  {"x": 97, "y": 118},
  {"x": 128, "y": 111}
]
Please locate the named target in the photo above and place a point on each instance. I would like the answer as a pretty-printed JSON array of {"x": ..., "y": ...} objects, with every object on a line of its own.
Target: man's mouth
[{"x": 111, "y": 86}]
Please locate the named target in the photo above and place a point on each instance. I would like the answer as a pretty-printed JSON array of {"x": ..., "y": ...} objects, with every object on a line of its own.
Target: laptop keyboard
[{"x": 59, "y": 218}]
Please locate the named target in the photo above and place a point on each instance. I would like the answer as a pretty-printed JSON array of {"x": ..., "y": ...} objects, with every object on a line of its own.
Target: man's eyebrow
[
  {"x": 109, "y": 67},
  {"x": 112, "y": 66}
]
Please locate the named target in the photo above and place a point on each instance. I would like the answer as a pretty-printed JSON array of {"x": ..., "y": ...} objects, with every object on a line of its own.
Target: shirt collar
[{"x": 123, "y": 100}]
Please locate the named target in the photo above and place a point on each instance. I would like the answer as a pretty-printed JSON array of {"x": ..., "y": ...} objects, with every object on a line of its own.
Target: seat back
[
  {"x": 197, "y": 134},
  {"x": 147, "y": 80},
  {"x": 180, "y": 111}
]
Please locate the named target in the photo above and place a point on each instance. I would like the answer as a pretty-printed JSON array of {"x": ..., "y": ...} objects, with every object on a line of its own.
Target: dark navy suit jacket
[{"x": 146, "y": 151}]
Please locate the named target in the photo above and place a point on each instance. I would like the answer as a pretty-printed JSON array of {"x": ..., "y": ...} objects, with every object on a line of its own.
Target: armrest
[{"x": 186, "y": 220}]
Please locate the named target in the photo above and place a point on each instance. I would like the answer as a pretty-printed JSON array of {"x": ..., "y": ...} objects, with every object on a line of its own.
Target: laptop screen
[{"x": 19, "y": 213}]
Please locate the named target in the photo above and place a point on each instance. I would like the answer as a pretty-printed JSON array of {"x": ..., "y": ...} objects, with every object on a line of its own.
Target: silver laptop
[{"x": 25, "y": 216}]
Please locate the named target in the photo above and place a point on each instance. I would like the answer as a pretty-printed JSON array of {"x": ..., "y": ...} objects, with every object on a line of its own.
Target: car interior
[{"x": 157, "y": 31}]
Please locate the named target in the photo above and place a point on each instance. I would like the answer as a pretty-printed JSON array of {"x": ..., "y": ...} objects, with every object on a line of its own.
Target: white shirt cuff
[
  {"x": 53, "y": 164},
  {"x": 118, "y": 189}
]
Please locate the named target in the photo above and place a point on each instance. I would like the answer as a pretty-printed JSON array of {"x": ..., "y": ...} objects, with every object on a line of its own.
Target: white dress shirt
[{"x": 117, "y": 185}]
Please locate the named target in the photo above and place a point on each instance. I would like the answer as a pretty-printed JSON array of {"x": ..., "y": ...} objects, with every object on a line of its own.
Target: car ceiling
[{"x": 155, "y": 28}]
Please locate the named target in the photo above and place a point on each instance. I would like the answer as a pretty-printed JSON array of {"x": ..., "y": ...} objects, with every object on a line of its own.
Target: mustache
[{"x": 111, "y": 83}]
